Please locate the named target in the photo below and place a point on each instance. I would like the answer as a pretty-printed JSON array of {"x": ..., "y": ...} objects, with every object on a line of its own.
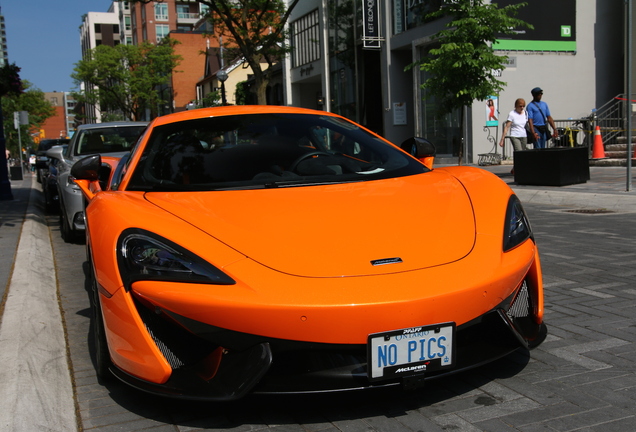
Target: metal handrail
[{"x": 611, "y": 118}]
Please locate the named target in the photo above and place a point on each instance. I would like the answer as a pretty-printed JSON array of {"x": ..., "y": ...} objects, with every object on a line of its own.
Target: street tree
[
  {"x": 31, "y": 100},
  {"x": 125, "y": 80},
  {"x": 10, "y": 83},
  {"x": 462, "y": 65},
  {"x": 252, "y": 29}
]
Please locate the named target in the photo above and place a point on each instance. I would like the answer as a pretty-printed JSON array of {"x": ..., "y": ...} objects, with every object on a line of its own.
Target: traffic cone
[{"x": 598, "y": 151}]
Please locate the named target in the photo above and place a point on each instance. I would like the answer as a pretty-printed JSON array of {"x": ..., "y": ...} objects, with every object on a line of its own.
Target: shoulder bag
[{"x": 545, "y": 128}]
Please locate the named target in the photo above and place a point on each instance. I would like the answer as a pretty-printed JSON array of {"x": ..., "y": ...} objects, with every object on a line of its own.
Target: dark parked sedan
[
  {"x": 41, "y": 160},
  {"x": 49, "y": 183}
]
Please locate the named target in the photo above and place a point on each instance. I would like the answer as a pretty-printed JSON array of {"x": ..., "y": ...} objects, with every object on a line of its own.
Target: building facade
[
  {"x": 98, "y": 28},
  {"x": 352, "y": 56},
  {"x": 62, "y": 124},
  {"x": 177, "y": 19},
  {"x": 4, "y": 56}
]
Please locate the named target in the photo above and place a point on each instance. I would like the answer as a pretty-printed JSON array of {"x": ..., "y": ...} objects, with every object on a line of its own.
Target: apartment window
[
  {"x": 183, "y": 12},
  {"x": 161, "y": 11},
  {"x": 126, "y": 5},
  {"x": 305, "y": 39},
  {"x": 127, "y": 23},
  {"x": 98, "y": 28},
  {"x": 162, "y": 31}
]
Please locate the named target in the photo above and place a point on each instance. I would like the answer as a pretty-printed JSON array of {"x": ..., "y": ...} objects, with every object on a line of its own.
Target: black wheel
[
  {"x": 65, "y": 229},
  {"x": 98, "y": 334},
  {"x": 69, "y": 235},
  {"x": 295, "y": 163},
  {"x": 50, "y": 204}
]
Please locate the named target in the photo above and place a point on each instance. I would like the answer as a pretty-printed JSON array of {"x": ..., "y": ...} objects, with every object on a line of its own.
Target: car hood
[{"x": 350, "y": 229}]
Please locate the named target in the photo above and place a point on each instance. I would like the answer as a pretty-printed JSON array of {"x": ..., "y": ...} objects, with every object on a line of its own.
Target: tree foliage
[
  {"x": 211, "y": 99},
  {"x": 461, "y": 66},
  {"x": 31, "y": 100},
  {"x": 10, "y": 82},
  {"x": 125, "y": 80},
  {"x": 253, "y": 29}
]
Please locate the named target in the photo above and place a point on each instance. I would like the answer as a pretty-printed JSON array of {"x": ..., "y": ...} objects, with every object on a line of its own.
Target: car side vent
[
  {"x": 521, "y": 306},
  {"x": 179, "y": 347}
]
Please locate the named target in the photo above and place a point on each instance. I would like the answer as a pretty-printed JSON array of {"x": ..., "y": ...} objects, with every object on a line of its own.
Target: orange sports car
[{"x": 274, "y": 249}]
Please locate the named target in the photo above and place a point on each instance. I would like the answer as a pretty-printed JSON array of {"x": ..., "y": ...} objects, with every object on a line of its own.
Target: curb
[{"x": 36, "y": 390}]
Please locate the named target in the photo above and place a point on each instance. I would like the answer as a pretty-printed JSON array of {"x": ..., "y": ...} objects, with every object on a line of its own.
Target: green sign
[{"x": 566, "y": 31}]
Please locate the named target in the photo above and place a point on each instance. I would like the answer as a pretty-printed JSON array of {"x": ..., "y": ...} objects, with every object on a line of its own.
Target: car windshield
[
  {"x": 107, "y": 139},
  {"x": 265, "y": 150}
]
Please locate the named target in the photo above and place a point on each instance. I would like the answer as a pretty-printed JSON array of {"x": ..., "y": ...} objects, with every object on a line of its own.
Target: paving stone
[{"x": 581, "y": 378}]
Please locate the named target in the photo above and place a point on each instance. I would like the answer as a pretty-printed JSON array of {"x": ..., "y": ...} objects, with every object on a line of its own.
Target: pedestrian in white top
[{"x": 516, "y": 123}]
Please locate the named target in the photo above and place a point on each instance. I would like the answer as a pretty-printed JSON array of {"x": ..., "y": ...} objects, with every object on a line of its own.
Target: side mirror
[
  {"x": 56, "y": 152},
  {"x": 419, "y": 147},
  {"x": 87, "y": 168}
]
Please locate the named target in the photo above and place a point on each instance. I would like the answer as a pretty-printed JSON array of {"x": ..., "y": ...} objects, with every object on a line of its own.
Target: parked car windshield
[
  {"x": 265, "y": 150},
  {"x": 107, "y": 139}
]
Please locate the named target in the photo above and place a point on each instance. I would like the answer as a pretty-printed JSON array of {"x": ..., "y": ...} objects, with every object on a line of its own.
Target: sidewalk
[
  {"x": 606, "y": 189},
  {"x": 37, "y": 390}
]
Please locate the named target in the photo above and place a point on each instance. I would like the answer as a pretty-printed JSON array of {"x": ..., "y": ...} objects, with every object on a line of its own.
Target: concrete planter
[{"x": 558, "y": 166}]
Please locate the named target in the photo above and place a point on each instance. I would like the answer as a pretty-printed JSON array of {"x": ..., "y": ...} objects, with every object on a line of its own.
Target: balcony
[{"x": 187, "y": 18}]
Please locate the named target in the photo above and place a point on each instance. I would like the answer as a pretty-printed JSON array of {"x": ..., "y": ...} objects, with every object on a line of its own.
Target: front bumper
[{"x": 211, "y": 363}]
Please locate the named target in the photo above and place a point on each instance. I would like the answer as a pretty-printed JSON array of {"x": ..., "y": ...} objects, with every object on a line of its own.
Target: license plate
[{"x": 410, "y": 351}]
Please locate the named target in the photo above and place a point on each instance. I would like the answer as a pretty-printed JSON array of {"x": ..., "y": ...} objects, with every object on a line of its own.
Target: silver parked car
[{"x": 113, "y": 139}]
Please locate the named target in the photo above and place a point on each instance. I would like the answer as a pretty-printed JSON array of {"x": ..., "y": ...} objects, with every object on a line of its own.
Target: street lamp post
[{"x": 221, "y": 75}]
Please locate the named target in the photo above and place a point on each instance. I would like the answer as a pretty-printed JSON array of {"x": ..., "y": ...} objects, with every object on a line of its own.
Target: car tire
[
  {"x": 98, "y": 333},
  {"x": 49, "y": 204},
  {"x": 68, "y": 235}
]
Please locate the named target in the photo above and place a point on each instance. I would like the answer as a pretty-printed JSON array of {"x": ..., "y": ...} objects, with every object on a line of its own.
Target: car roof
[
  {"x": 110, "y": 124},
  {"x": 235, "y": 110}
]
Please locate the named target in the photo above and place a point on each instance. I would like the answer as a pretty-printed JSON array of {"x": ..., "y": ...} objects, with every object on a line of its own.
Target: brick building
[{"x": 61, "y": 125}]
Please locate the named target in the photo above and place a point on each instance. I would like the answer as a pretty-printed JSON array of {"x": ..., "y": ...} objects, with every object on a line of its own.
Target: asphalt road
[{"x": 582, "y": 378}]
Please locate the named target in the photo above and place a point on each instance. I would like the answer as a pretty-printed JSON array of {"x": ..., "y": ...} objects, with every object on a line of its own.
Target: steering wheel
[{"x": 295, "y": 163}]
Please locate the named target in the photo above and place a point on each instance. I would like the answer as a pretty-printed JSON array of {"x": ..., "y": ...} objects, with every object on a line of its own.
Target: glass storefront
[
  {"x": 408, "y": 14},
  {"x": 445, "y": 130},
  {"x": 342, "y": 57}
]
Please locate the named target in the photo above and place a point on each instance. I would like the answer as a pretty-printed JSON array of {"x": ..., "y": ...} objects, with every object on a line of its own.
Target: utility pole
[{"x": 628, "y": 82}]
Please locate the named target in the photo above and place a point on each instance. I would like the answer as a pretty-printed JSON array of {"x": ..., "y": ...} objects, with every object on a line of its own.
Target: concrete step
[
  {"x": 623, "y": 139},
  {"x": 615, "y": 147},
  {"x": 611, "y": 162},
  {"x": 616, "y": 154}
]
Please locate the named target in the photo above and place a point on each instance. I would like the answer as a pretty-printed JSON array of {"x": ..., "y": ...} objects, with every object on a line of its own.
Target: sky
[{"x": 43, "y": 38}]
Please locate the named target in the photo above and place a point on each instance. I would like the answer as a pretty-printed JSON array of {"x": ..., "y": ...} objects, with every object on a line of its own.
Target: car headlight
[
  {"x": 143, "y": 255},
  {"x": 517, "y": 227}
]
